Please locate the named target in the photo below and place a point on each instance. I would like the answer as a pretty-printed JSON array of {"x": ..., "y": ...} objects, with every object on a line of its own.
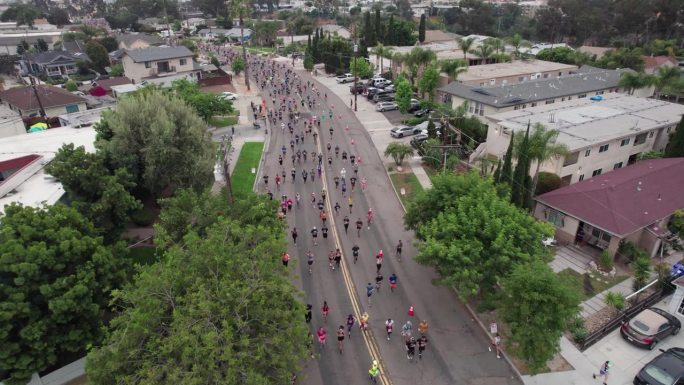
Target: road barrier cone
[
  {"x": 352, "y": 142},
  {"x": 410, "y": 311}
]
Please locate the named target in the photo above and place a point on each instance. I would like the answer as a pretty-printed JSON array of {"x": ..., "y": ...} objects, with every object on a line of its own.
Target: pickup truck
[{"x": 346, "y": 78}]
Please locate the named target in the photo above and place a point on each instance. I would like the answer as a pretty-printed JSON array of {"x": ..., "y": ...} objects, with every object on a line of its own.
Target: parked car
[
  {"x": 384, "y": 97},
  {"x": 228, "y": 95},
  {"x": 649, "y": 327},
  {"x": 383, "y": 83},
  {"x": 346, "y": 78},
  {"x": 386, "y": 106},
  {"x": 357, "y": 88},
  {"x": 389, "y": 88},
  {"x": 371, "y": 91},
  {"x": 418, "y": 140},
  {"x": 401, "y": 131},
  {"x": 422, "y": 112},
  {"x": 414, "y": 106},
  {"x": 423, "y": 126},
  {"x": 666, "y": 369}
]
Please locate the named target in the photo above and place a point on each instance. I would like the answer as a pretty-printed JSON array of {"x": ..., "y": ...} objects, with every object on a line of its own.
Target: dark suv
[{"x": 666, "y": 369}]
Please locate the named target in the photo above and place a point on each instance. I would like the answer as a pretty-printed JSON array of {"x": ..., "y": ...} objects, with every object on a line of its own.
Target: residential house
[
  {"x": 22, "y": 165},
  {"x": 73, "y": 47},
  {"x": 54, "y": 100},
  {"x": 335, "y": 29},
  {"x": 9, "y": 40},
  {"x": 107, "y": 84},
  {"x": 632, "y": 204},
  {"x": 97, "y": 22},
  {"x": 602, "y": 133},
  {"x": 232, "y": 34},
  {"x": 653, "y": 63},
  {"x": 156, "y": 62},
  {"x": 51, "y": 63},
  {"x": 487, "y": 100},
  {"x": 437, "y": 36},
  {"x": 194, "y": 22},
  {"x": 598, "y": 52},
  {"x": 138, "y": 40},
  {"x": 518, "y": 71},
  {"x": 536, "y": 48}
]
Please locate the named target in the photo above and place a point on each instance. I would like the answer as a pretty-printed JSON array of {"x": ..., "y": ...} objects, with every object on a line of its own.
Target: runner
[
  {"x": 364, "y": 183},
  {"x": 346, "y": 224},
  {"x": 309, "y": 260},
  {"x": 324, "y": 230},
  {"x": 355, "y": 251},
  {"x": 370, "y": 217},
  {"x": 337, "y": 208},
  {"x": 331, "y": 259},
  {"x": 265, "y": 180},
  {"x": 363, "y": 322},
  {"x": 325, "y": 310},
  {"x": 389, "y": 327},
  {"x": 407, "y": 330},
  {"x": 336, "y": 179},
  {"x": 286, "y": 259},
  {"x": 314, "y": 235},
  {"x": 340, "y": 338},
  {"x": 338, "y": 258},
  {"x": 393, "y": 282},
  {"x": 351, "y": 203},
  {"x": 411, "y": 348},
  {"x": 378, "y": 281},
  {"x": 422, "y": 344},
  {"x": 378, "y": 263},
  {"x": 307, "y": 315},
  {"x": 359, "y": 225},
  {"x": 322, "y": 336},
  {"x": 423, "y": 326},
  {"x": 294, "y": 235},
  {"x": 373, "y": 372},
  {"x": 400, "y": 245},
  {"x": 351, "y": 320},
  {"x": 323, "y": 215},
  {"x": 298, "y": 198},
  {"x": 369, "y": 293}
]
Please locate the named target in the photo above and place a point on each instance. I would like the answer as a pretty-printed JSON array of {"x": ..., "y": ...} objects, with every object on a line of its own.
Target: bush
[
  {"x": 677, "y": 222},
  {"x": 579, "y": 334},
  {"x": 71, "y": 86},
  {"x": 117, "y": 70},
  {"x": 575, "y": 323},
  {"x": 144, "y": 217},
  {"x": 615, "y": 300},
  {"x": 547, "y": 182},
  {"x": 642, "y": 270},
  {"x": 238, "y": 66},
  {"x": 605, "y": 261},
  {"x": 414, "y": 121}
]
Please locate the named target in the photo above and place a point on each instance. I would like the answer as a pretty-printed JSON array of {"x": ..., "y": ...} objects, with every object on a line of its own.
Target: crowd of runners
[{"x": 298, "y": 111}]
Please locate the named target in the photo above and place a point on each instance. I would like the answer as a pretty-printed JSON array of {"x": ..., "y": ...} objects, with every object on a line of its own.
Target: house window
[
  {"x": 559, "y": 74},
  {"x": 556, "y": 218},
  {"x": 624, "y": 142},
  {"x": 183, "y": 62},
  {"x": 569, "y": 97},
  {"x": 524, "y": 106},
  {"x": 617, "y": 165},
  {"x": 596, "y": 172},
  {"x": 581, "y": 178},
  {"x": 571, "y": 159},
  {"x": 516, "y": 107},
  {"x": 546, "y": 76},
  {"x": 650, "y": 134},
  {"x": 533, "y": 105},
  {"x": 71, "y": 108},
  {"x": 148, "y": 64},
  {"x": 640, "y": 139},
  {"x": 599, "y": 93},
  {"x": 471, "y": 107},
  {"x": 668, "y": 129},
  {"x": 550, "y": 101},
  {"x": 521, "y": 79},
  {"x": 582, "y": 96},
  {"x": 479, "y": 109},
  {"x": 562, "y": 100},
  {"x": 587, "y": 153},
  {"x": 603, "y": 148}
]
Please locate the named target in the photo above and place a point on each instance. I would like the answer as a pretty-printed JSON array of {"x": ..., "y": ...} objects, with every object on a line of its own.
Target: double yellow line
[{"x": 368, "y": 337}]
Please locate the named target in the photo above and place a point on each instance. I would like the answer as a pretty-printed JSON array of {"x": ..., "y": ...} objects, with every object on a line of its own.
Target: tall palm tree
[
  {"x": 453, "y": 68},
  {"x": 518, "y": 42},
  {"x": 465, "y": 44},
  {"x": 381, "y": 52},
  {"x": 485, "y": 51},
  {"x": 240, "y": 9},
  {"x": 633, "y": 81},
  {"x": 495, "y": 43},
  {"x": 398, "y": 59},
  {"x": 417, "y": 59},
  {"x": 665, "y": 78},
  {"x": 542, "y": 147}
]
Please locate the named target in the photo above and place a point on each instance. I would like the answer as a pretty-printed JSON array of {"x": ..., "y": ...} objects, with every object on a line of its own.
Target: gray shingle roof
[
  {"x": 588, "y": 79},
  {"x": 158, "y": 53},
  {"x": 48, "y": 57}
]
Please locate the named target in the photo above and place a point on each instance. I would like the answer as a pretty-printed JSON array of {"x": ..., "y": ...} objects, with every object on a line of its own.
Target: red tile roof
[
  {"x": 624, "y": 200},
  {"x": 657, "y": 61},
  {"x": 108, "y": 83},
  {"x": 24, "y": 99}
]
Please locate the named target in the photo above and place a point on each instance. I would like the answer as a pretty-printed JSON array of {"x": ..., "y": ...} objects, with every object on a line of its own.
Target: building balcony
[{"x": 170, "y": 70}]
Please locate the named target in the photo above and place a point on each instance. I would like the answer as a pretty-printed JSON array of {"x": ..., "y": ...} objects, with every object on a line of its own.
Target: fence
[
  {"x": 215, "y": 81},
  {"x": 625, "y": 315}
]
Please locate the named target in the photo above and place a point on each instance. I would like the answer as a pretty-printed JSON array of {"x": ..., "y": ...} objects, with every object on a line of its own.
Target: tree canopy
[
  {"x": 205, "y": 104},
  {"x": 675, "y": 147},
  {"x": 23, "y": 14},
  {"x": 159, "y": 140},
  {"x": 98, "y": 55},
  {"x": 472, "y": 236},
  {"x": 217, "y": 309},
  {"x": 56, "y": 279},
  {"x": 403, "y": 94}
]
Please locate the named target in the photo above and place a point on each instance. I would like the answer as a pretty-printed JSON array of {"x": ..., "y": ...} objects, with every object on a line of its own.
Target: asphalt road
[{"x": 457, "y": 351}]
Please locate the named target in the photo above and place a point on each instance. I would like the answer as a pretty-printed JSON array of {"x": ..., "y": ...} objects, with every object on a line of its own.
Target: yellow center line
[{"x": 368, "y": 337}]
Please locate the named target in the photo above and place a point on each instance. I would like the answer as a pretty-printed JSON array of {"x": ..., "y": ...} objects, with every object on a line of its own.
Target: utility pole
[
  {"x": 356, "y": 53},
  {"x": 226, "y": 169},
  {"x": 35, "y": 93}
]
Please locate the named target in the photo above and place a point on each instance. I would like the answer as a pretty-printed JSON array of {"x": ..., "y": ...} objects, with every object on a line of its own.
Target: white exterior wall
[
  {"x": 138, "y": 71},
  {"x": 497, "y": 144},
  {"x": 54, "y": 111}
]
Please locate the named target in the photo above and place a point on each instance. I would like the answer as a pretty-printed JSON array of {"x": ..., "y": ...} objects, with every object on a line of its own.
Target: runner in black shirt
[
  {"x": 355, "y": 251},
  {"x": 314, "y": 235},
  {"x": 324, "y": 230},
  {"x": 346, "y": 223},
  {"x": 359, "y": 225}
]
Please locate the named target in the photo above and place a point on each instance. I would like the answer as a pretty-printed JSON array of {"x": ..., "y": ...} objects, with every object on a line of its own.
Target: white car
[
  {"x": 228, "y": 96},
  {"x": 402, "y": 131},
  {"x": 386, "y": 106},
  {"x": 345, "y": 78}
]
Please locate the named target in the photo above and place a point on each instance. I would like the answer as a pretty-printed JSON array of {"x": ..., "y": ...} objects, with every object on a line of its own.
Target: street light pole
[{"x": 356, "y": 93}]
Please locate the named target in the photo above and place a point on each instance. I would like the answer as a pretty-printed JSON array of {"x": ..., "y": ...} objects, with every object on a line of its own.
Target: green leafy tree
[
  {"x": 521, "y": 183},
  {"x": 542, "y": 147},
  {"x": 677, "y": 222},
  {"x": 23, "y": 47},
  {"x": 57, "y": 278},
  {"x": 361, "y": 68},
  {"x": 537, "y": 306},
  {"x": 71, "y": 86},
  {"x": 116, "y": 70},
  {"x": 675, "y": 147},
  {"x": 421, "y": 28},
  {"x": 547, "y": 182},
  {"x": 429, "y": 81},
  {"x": 228, "y": 314},
  {"x": 507, "y": 168},
  {"x": 402, "y": 93},
  {"x": 465, "y": 44},
  {"x": 238, "y": 66},
  {"x": 159, "y": 140},
  {"x": 650, "y": 155},
  {"x": 398, "y": 152},
  {"x": 265, "y": 32},
  {"x": 632, "y": 81},
  {"x": 42, "y": 45},
  {"x": 615, "y": 300},
  {"x": 471, "y": 235},
  {"x": 98, "y": 55},
  {"x": 206, "y": 104},
  {"x": 58, "y": 16},
  {"x": 642, "y": 269},
  {"x": 431, "y": 130},
  {"x": 453, "y": 67},
  {"x": 23, "y": 14},
  {"x": 98, "y": 194},
  {"x": 308, "y": 59},
  {"x": 110, "y": 43}
]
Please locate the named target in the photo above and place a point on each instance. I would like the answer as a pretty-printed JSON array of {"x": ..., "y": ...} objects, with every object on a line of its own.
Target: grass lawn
[
  {"x": 409, "y": 182},
  {"x": 223, "y": 121},
  {"x": 260, "y": 49},
  {"x": 143, "y": 255},
  {"x": 589, "y": 285},
  {"x": 242, "y": 179}
]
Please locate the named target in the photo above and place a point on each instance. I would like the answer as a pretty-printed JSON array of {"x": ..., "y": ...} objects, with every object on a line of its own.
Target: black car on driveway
[
  {"x": 649, "y": 327},
  {"x": 666, "y": 369}
]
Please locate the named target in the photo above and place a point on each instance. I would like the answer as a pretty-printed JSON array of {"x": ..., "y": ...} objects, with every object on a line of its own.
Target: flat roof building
[
  {"x": 514, "y": 72},
  {"x": 601, "y": 135}
]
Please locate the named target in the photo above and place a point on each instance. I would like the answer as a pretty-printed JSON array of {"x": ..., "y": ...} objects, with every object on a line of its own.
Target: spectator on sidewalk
[{"x": 603, "y": 372}]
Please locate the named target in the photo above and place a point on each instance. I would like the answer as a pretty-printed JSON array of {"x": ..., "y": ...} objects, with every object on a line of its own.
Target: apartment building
[
  {"x": 519, "y": 71},
  {"x": 489, "y": 100},
  {"x": 601, "y": 135},
  {"x": 156, "y": 62}
]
